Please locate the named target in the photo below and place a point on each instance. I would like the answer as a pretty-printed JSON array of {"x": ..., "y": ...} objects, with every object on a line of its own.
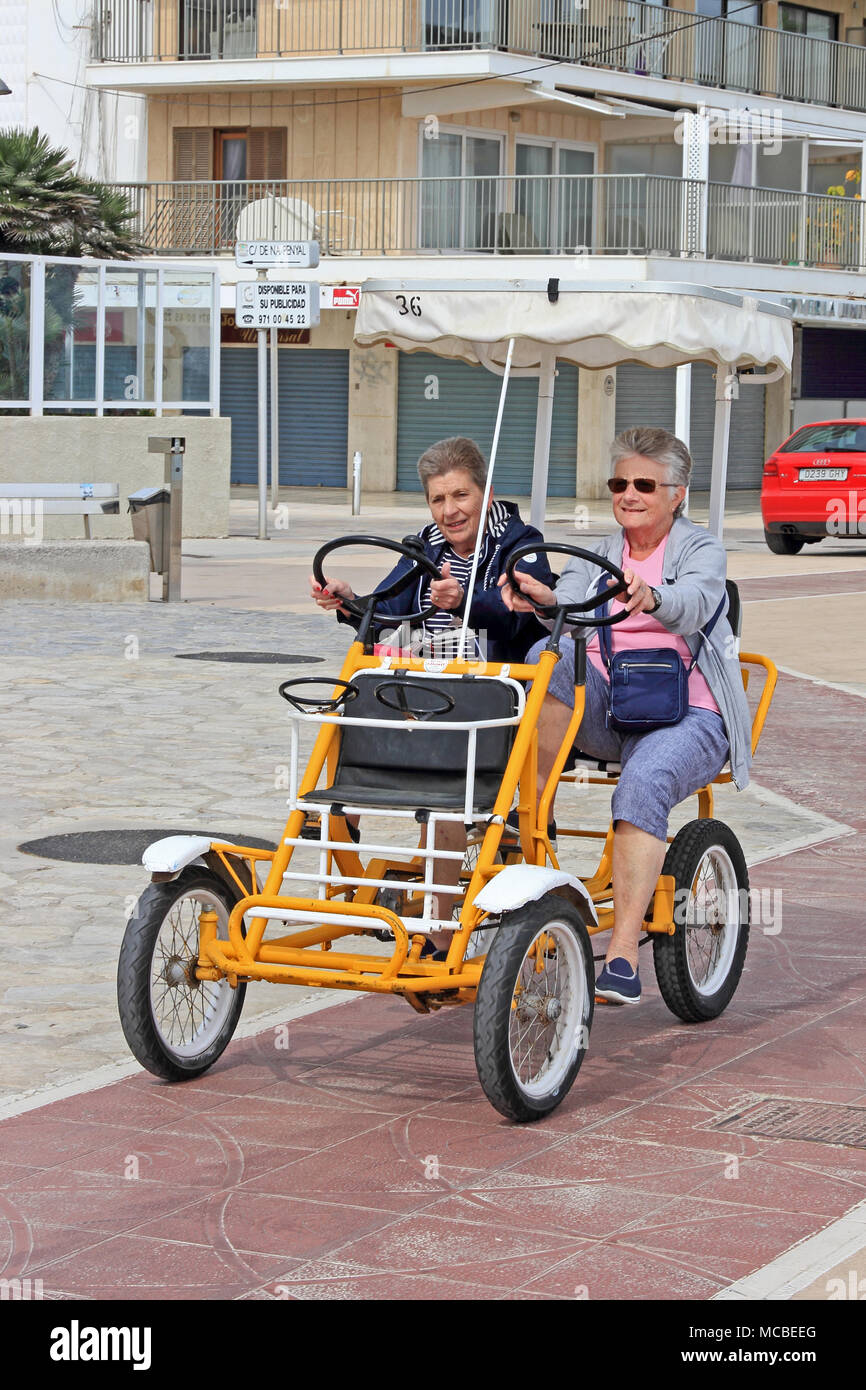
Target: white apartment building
[
  {"x": 712, "y": 142},
  {"x": 45, "y": 47}
]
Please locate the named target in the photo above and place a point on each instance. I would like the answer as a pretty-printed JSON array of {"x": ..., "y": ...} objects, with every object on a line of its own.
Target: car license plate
[{"x": 831, "y": 475}]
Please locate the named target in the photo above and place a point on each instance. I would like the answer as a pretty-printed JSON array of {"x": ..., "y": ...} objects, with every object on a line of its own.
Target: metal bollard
[
  {"x": 173, "y": 448},
  {"x": 356, "y": 483}
]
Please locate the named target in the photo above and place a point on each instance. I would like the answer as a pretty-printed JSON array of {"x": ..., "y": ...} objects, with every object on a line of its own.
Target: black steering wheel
[
  {"x": 327, "y": 705},
  {"x": 411, "y": 548},
  {"x": 572, "y": 613},
  {"x": 403, "y": 705}
]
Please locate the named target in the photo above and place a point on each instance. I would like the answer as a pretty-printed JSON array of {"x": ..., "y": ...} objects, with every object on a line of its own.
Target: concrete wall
[
  {"x": 76, "y": 571},
  {"x": 86, "y": 449}
]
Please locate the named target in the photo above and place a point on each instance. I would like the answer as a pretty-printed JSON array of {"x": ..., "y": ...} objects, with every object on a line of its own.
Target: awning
[{"x": 660, "y": 325}]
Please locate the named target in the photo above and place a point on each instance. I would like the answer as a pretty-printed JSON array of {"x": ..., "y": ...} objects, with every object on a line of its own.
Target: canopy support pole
[
  {"x": 726, "y": 392},
  {"x": 543, "y": 428},
  {"x": 683, "y": 413}
]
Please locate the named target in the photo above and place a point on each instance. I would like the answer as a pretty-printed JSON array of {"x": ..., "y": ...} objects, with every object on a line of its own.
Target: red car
[{"x": 814, "y": 486}]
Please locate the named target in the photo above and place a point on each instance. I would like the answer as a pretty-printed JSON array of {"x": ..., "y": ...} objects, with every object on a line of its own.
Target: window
[
  {"x": 233, "y": 162},
  {"x": 460, "y": 190},
  {"x": 796, "y": 19},
  {"x": 459, "y": 23}
]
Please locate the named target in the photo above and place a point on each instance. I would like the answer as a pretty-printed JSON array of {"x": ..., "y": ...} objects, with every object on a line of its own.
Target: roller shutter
[
  {"x": 746, "y": 447},
  {"x": 467, "y": 402},
  {"x": 833, "y": 363},
  {"x": 314, "y": 415},
  {"x": 647, "y": 396}
]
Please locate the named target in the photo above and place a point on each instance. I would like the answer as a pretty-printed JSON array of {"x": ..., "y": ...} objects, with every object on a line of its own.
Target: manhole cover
[
  {"x": 252, "y": 658},
  {"x": 808, "y": 1120},
  {"x": 119, "y": 846}
]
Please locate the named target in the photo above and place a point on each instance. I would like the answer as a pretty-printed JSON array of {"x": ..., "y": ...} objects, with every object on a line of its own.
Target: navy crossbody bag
[{"x": 649, "y": 688}]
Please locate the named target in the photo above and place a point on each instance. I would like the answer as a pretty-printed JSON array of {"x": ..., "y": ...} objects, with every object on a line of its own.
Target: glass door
[
  {"x": 575, "y": 200},
  {"x": 459, "y": 191},
  {"x": 530, "y": 225},
  {"x": 231, "y": 173}
]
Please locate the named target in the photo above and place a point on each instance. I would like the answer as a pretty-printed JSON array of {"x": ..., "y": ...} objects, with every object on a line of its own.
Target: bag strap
[{"x": 606, "y": 647}]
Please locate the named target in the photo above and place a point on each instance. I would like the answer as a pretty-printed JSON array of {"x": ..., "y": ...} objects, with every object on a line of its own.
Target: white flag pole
[{"x": 487, "y": 491}]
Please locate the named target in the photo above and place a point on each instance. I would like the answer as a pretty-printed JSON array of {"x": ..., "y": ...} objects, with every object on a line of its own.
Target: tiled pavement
[{"x": 361, "y": 1161}]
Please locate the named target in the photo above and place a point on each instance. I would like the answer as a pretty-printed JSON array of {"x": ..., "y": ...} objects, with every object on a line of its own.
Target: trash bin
[{"x": 150, "y": 522}]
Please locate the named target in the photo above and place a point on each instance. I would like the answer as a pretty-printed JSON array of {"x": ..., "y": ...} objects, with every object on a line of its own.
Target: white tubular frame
[{"x": 326, "y": 846}]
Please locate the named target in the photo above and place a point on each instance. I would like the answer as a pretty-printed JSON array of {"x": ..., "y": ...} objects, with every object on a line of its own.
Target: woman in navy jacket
[{"x": 453, "y": 474}]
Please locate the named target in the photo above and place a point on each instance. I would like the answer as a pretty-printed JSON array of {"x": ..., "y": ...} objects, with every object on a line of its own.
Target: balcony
[
  {"x": 627, "y": 35},
  {"x": 535, "y": 215}
]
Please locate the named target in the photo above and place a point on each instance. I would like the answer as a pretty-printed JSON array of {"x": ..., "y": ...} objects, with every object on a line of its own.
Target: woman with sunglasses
[{"x": 675, "y": 572}]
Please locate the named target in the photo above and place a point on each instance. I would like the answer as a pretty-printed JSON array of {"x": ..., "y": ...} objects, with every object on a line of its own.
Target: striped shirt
[{"x": 441, "y": 631}]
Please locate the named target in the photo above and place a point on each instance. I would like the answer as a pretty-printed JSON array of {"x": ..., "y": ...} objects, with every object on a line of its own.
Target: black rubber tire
[
  {"x": 147, "y": 1041},
  {"x": 494, "y": 1011},
  {"x": 783, "y": 543},
  {"x": 671, "y": 953}
]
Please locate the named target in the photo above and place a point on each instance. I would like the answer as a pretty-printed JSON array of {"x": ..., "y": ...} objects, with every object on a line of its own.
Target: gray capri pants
[{"x": 660, "y": 768}]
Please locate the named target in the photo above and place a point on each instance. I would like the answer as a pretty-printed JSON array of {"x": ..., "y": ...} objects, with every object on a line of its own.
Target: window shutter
[
  {"x": 266, "y": 153},
  {"x": 193, "y": 154}
]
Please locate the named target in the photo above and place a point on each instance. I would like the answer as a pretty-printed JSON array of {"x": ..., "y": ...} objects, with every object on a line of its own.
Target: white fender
[
  {"x": 172, "y": 854},
  {"x": 518, "y": 884}
]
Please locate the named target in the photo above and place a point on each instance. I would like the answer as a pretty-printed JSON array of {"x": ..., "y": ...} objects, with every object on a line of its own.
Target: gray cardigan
[{"x": 694, "y": 582}]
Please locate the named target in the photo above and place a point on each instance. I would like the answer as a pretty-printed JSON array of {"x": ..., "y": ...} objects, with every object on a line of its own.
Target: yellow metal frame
[{"x": 307, "y": 957}]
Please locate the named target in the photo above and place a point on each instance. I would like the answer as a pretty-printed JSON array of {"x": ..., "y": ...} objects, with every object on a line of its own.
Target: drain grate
[
  {"x": 809, "y": 1120},
  {"x": 253, "y": 658}
]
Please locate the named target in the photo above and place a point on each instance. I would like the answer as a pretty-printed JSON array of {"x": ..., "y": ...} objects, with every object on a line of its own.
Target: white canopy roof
[{"x": 592, "y": 324}]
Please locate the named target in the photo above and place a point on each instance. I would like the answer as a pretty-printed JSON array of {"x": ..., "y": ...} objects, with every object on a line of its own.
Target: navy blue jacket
[{"x": 509, "y": 635}]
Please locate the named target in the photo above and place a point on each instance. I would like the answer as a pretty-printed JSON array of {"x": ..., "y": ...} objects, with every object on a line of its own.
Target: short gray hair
[
  {"x": 448, "y": 454},
  {"x": 652, "y": 442}
]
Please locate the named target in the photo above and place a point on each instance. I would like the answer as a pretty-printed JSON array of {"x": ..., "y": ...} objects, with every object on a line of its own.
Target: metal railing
[
  {"x": 645, "y": 39},
  {"x": 776, "y": 227},
  {"x": 536, "y": 215}
]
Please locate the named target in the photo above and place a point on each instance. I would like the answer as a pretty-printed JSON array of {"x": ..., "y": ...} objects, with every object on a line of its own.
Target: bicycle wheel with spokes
[
  {"x": 699, "y": 967},
  {"x": 534, "y": 1008},
  {"x": 176, "y": 1025}
]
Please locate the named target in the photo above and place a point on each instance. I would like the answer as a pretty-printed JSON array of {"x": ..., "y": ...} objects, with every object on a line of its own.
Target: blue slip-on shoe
[{"x": 618, "y": 983}]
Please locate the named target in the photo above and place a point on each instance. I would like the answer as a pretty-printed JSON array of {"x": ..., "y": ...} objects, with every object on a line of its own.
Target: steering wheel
[
  {"x": 411, "y": 548},
  {"x": 572, "y": 612},
  {"x": 324, "y": 706},
  {"x": 403, "y": 705}
]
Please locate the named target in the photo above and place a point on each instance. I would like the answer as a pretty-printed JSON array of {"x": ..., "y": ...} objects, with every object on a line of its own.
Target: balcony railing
[
  {"x": 536, "y": 215},
  {"x": 648, "y": 40}
]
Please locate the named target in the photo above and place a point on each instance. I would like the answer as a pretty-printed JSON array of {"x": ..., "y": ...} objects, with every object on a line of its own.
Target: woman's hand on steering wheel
[
  {"x": 640, "y": 595},
  {"x": 515, "y": 601},
  {"x": 329, "y": 597}
]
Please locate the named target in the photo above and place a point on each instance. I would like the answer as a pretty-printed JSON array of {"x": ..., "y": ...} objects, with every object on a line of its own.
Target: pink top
[{"x": 645, "y": 630}]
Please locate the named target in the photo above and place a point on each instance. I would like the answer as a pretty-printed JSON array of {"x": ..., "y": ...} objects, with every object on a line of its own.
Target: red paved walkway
[{"x": 364, "y": 1161}]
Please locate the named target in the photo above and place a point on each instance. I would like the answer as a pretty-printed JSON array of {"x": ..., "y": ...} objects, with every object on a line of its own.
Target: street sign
[
  {"x": 254, "y": 255},
  {"x": 272, "y": 304},
  {"x": 341, "y": 296}
]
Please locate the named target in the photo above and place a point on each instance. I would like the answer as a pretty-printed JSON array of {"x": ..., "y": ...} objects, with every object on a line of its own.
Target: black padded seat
[{"x": 424, "y": 769}]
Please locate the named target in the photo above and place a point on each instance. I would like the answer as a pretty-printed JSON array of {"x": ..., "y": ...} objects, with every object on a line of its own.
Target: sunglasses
[{"x": 617, "y": 485}]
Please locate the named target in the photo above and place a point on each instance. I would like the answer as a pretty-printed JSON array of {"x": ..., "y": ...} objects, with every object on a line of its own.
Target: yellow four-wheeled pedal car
[{"x": 409, "y": 740}]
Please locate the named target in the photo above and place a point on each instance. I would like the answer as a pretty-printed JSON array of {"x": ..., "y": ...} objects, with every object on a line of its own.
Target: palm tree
[{"x": 46, "y": 208}]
